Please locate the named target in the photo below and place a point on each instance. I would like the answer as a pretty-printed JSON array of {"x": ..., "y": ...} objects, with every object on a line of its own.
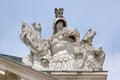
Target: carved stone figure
[
  {"x": 31, "y": 37},
  {"x": 95, "y": 59},
  {"x": 63, "y": 50},
  {"x": 100, "y": 56}
]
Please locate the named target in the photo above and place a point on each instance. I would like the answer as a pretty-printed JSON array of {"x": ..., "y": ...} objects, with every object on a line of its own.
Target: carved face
[{"x": 59, "y": 26}]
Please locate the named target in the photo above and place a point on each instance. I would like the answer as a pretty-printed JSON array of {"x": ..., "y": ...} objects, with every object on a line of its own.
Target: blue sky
[{"x": 103, "y": 16}]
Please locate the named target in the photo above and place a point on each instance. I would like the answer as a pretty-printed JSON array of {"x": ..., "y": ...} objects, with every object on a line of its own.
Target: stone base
[{"x": 79, "y": 75}]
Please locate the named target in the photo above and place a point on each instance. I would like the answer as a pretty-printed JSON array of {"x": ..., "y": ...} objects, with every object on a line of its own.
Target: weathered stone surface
[
  {"x": 63, "y": 50},
  {"x": 79, "y": 75},
  {"x": 13, "y": 70},
  {"x": 8, "y": 66},
  {"x": 11, "y": 76}
]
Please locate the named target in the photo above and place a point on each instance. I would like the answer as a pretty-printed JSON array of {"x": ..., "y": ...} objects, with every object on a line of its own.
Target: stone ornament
[
  {"x": 11, "y": 76},
  {"x": 63, "y": 50}
]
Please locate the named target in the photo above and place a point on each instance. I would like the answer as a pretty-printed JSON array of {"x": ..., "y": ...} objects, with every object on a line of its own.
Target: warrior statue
[{"x": 63, "y": 50}]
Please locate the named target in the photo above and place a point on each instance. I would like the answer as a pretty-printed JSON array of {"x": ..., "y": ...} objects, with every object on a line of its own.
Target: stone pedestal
[{"x": 79, "y": 75}]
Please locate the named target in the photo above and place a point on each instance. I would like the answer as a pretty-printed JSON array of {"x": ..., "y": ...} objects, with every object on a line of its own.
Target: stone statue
[
  {"x": 63, "y": 50},
  {"x": 38, "y": 47},
  {"x": 31, "y": 37}
]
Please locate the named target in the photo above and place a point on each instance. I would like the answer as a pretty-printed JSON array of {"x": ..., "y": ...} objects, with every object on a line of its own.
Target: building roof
[
  {"x": 15, "y": 58},
  {"x": 14, "y": 64}
]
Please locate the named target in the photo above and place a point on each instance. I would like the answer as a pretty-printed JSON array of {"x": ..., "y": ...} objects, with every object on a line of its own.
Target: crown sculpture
[{"x": 63, "y": 50}]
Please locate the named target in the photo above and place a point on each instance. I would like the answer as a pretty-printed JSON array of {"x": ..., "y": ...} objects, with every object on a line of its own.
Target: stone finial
[{"x": 59, "y": 12}]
